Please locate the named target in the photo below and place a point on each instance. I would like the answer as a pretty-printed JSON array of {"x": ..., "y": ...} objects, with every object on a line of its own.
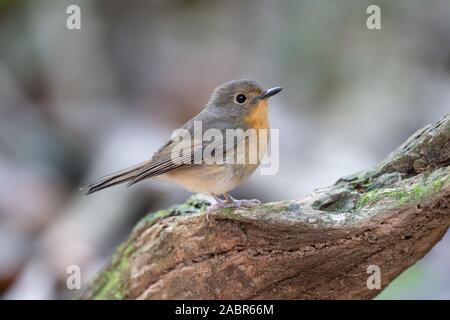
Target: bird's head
[{"x": 240, "y": 97}]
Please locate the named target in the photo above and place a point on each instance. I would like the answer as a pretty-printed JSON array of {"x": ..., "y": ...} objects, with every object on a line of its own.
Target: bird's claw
[
  {"x": 230, "y": 202},
  {"x": 245, "y": 203}
]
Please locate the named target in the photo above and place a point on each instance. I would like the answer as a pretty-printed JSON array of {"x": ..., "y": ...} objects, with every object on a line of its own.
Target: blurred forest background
[{"x": 79, "y": 104}]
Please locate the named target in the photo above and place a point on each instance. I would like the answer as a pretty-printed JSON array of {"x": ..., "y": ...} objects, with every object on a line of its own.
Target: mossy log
[{"x": 318, "y": 247}]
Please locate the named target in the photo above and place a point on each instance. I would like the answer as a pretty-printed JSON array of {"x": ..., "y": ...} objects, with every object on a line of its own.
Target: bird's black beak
[{"x": 270, "y": 92}]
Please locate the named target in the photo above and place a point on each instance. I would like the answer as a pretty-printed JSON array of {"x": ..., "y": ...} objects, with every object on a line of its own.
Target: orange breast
[{"x": 258, "y": 118}]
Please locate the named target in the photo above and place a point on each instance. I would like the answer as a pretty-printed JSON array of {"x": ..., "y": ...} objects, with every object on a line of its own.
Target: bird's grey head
[{"x": 240, "y": 95}]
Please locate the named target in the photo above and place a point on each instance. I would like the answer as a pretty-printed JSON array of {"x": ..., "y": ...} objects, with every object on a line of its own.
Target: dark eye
[{"x": 240, "y": 98}]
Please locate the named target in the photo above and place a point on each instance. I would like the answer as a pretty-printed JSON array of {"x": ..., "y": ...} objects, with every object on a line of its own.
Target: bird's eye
[{"x": 240, "y": 98}]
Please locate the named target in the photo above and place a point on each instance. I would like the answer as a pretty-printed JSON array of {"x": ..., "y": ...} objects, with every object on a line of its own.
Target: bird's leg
[
  {"x": 232, "y": 202},
  {"x": 229, "y": 202}
]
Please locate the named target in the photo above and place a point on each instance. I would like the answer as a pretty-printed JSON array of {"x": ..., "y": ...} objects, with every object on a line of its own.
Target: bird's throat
[{"x": 258, "y": 118}]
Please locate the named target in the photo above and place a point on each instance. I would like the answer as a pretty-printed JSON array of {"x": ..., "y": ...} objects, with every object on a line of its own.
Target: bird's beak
[{"x": 270, "y": 92}]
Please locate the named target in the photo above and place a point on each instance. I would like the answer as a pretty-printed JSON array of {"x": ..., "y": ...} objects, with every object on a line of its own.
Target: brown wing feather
[{"x": 164, "y": 161}]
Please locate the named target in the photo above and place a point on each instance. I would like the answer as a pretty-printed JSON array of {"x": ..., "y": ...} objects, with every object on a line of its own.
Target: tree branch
[{"x": 316, "y": 247}]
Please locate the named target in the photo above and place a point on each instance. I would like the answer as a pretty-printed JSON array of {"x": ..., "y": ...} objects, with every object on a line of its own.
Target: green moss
[
  {"x": 153, "y": 217},
  {"x": 192, "y": 205},
  {"x": 112, "y": 279},
  {"x": 439, "y": 183},
  {"x": 402, "y": 195},
  {"x": 231, "y": 213}
]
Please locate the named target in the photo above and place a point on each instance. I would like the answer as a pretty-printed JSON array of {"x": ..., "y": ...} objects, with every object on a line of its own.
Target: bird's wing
[
  {"x": 176, "y": 154},
  {"x": 163, "y": 161}
]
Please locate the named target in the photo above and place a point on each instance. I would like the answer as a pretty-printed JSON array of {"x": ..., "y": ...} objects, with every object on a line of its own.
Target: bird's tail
[{"x": 115, "y": 178}]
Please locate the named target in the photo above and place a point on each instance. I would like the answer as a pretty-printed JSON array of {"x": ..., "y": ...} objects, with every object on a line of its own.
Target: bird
[{"x": 234, "y": 105}]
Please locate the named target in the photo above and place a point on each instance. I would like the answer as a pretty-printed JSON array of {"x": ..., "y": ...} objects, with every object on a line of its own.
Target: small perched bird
[{"x": 237, "y": 104}]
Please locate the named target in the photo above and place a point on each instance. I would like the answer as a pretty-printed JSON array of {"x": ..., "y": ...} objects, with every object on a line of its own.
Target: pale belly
[
  {"x": 210, "y": 179},
  {"x": 214, "y": 178}
]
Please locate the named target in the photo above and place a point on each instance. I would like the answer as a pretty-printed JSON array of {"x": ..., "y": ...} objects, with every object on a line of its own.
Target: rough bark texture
[{"x": 317, "y": 247}]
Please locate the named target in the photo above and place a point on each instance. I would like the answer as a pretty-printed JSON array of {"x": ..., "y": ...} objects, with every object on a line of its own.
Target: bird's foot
[
  {"x": 230, "y": 202},
  {"x": 243, "y": 203},
  {"x": 240, "y": 203}
]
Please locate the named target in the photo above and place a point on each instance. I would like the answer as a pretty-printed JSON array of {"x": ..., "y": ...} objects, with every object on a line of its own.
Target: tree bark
[{"x": 318, "y": 247}]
